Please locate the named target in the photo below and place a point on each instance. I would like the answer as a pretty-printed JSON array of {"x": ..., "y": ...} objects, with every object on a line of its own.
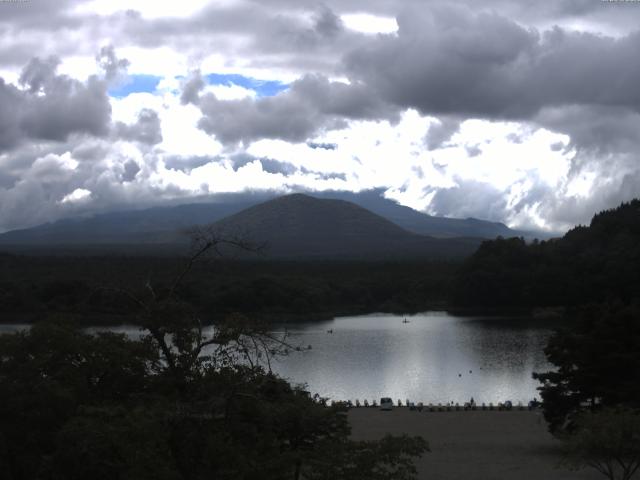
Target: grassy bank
[{"x": 475, "y": 445}]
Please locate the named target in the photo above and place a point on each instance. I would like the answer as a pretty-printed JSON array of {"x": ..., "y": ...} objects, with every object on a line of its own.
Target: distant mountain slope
[
  {"x": 424, "y": 224},
  {"x": 303, "y": 226},
  {"x": 153, "y": 225},
  {"x": 159, "y": 224}
]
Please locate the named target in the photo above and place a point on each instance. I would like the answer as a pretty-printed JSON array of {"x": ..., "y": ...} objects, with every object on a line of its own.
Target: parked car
[{"x": 386, "y": 403}]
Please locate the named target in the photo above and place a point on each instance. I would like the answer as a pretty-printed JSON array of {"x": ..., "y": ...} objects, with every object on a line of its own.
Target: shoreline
[{"x": 115, "y": 320}]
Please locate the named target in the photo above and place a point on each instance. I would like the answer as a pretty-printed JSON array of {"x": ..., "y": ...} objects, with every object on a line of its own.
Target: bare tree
[{"x": 176, "y": 329}]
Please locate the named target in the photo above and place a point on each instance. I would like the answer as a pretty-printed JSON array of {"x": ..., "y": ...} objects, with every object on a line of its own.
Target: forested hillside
[
  {"x": 87, "y": 287},
  {"x": 592, "y": 263}
]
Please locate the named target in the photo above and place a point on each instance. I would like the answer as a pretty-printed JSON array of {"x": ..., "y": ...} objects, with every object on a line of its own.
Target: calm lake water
[{"x": 435, "y": 357}]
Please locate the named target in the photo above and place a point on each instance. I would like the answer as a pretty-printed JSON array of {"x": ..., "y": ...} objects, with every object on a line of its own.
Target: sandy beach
[{"x": 473, "y": 445}]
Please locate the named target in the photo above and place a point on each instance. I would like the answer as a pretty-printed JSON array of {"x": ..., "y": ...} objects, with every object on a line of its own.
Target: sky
[{"x": 522, "y": 112}]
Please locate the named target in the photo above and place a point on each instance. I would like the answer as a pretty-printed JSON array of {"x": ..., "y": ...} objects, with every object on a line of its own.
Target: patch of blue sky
[
  {"x": 135, "y": 84},
  {"x": 264, "y": 88},
  {"x": 149, "y": 84}
]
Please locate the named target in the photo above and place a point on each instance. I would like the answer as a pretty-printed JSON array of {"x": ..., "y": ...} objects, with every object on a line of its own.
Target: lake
[{"x": 434, "y": 357}]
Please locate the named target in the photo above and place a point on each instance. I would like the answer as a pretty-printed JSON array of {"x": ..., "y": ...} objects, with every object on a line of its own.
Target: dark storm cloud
[
  {"x": 462, "y": 58},
  {"x": 324, "y": 175},
  {"x": 51, "y": 106},
  {"x": 270, "y": 165},
  {"x": 67, "y": 107},
  {"x": 307, "y": 39},
  {"x": 112, "y": 65},
  {"x": 39, "y": 14},
  {"x": 186, "y": 164},
  {"x": 54, "y": 133},
  {"x": 619, "y": 16},
  {"x": 448, "y": 60},
  {"x": 146, "y": 129},
  {"x": 299, "y": 34},
  {"x": 327, "y": 23},
  {"x": 311, "y": 104},
  {"x": 131, "y": 169},
  {"x": 12, "y": 54},
  {"x": 38, "y": 73},
  {"x": 7, "y": 180},
  {"x": 88, "y": 151},
  {"x": 556, "y": 147},
  {"x": 515, "y": 138},
  {"x": 45, "y": 27},
  {"x": 322, "y": 145},
  {"x": 191, "y": 89},
  {"x": 239, "y": 160},
  {"x": 10, "y": 101},
  {"x": 440, "y": 133},
  {"x": 598, "y": 129},
  {"x": 473, "y": 150}
]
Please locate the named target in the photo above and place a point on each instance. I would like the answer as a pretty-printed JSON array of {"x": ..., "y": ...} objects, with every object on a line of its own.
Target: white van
[{"x": 386, "y": 403}]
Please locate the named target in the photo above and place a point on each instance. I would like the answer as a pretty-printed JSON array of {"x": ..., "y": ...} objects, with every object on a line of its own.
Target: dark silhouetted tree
[
  {"x": 608, "y": 441},
  {"x": 597, "y": 357}
]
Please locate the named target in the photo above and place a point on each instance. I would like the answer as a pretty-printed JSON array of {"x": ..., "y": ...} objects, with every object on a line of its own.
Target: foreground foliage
[
  {"x": 597, "y": 355},
  {"x": 79, "y": 406},
  {"x": 608, "y": 441},
  {"x": 181, "y": 402},
  {"x": 592, "y": 400}
]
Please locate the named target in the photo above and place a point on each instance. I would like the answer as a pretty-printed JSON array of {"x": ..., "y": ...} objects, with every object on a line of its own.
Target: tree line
[
  {"x": 33, "y": 286},
  {"x": 595, "y": 263}
]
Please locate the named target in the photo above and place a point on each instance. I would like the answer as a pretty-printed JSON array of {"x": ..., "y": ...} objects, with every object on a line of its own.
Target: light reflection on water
[{"x": 435, "y": 357}]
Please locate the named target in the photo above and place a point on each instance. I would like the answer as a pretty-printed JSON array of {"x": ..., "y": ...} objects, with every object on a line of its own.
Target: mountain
[
  {"x": 424, "y": 224},
  {"x": 299, "y": 225},
  {"x": 159, "y": 225},
  {"x": 154, "y": 225},
  {"x": 293, "y": 226}
]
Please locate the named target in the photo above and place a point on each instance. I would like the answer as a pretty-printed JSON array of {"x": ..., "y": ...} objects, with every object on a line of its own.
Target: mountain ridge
[
  {"x": 425, "y": 224},
  {"x": 141, "y": 226},
  {"x": 299, "y": 225}
]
